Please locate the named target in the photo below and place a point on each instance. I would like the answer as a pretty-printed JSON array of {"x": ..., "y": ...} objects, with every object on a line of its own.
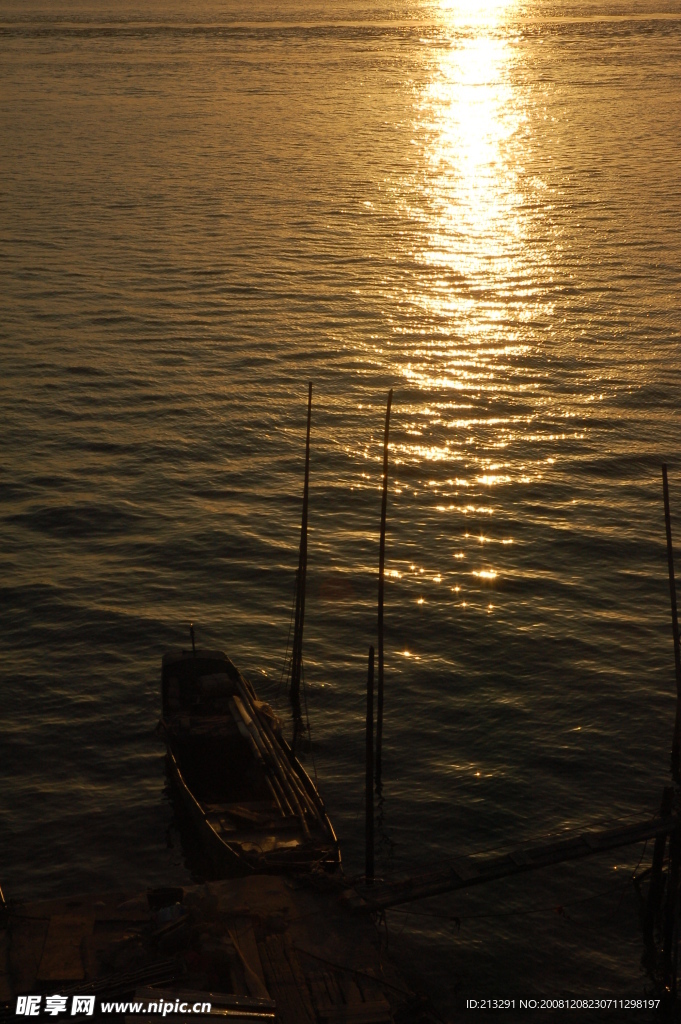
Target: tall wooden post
[
  {"x": 381, "y": 581},
  {"x": 676, "y": 743},
  {"x": 297, "y": 654},
  {"x": 369, "y": 816}
]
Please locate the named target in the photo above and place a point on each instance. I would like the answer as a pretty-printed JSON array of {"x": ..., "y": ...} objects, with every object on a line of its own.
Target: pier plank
[
  {"x": 334, "y": 988},
  {"x": 316, "y": 982},
  {"x": 242, "y": 934},
  {"x": 62, "y": 959},
  {"x": 294, "y": 1005},
  {"x": 351, "y": 992},
  {"x": 26, "y": 950}
]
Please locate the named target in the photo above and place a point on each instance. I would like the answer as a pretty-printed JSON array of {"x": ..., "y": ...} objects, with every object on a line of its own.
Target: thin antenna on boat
[
  {"x": 676, "y": 743},
  {"x": 191, "y": 634},
  {"x": 381, "y": 576},
  {"x": 297, "y": 653}
]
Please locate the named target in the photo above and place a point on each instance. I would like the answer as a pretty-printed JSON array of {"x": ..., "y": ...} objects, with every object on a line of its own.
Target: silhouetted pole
[
  {"x": 297, "y": 654},
  {"x": 381, "y": 580},
  {"x": 671, "y": 916},
  {"x": 655, "y": 890},
  {"x": 676, "y": 766},
  {"x": 369, "y": 818},
  {"x": 670, "y": 935}
]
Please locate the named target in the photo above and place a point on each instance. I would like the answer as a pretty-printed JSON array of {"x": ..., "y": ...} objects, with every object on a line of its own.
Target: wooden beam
[{"x": 476, "y": 870}]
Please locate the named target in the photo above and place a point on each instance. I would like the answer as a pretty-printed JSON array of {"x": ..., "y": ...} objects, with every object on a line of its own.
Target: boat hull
[{"x": 248, "y": 801}]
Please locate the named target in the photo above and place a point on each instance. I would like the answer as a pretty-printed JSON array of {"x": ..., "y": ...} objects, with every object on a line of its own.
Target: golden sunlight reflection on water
[
  {"x": 483, "y": 261},
  {"x": 477, "y": 11},
  {"x": 474, "y": 197},
  {"x": 481, "y": 292}
]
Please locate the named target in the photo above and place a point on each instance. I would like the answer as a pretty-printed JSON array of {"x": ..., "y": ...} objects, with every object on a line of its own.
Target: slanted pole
[
  {"x": 369, "y": 817},
  {"x": 381, "y": 581},
  {"x": 297, "y": 654},
  {"x": 676, "y": 743}
]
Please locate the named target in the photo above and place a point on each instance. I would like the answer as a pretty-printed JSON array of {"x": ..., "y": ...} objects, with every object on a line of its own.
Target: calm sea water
[{"x": 202, "y": 207}]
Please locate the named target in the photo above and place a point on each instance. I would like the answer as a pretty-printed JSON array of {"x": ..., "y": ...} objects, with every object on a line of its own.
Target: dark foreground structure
[{"x": 257, "y": 949}]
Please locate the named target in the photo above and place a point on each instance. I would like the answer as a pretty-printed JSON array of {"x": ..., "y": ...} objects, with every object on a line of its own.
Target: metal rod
[
  {"x": 369, "y": 818},
  {"x": 676, "y": 743},
  {"x": 297, "y": 654},
  {"x": 381, "y": 581}
]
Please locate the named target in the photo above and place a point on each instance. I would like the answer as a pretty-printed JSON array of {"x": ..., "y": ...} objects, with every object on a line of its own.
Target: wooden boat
[{"x": 250, "y": 801}]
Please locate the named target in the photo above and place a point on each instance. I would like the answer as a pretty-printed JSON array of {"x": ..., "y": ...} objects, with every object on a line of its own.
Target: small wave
[{"x": 77, "y": 520}]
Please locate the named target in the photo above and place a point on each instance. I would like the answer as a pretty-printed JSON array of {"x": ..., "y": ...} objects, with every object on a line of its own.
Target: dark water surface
[{"x": 202, "y": 207}]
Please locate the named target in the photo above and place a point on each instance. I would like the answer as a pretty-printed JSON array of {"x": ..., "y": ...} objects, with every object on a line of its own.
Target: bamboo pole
[
  {"x": 278, "y": 798},
  {"x": 369, "y": 815},
  {"x": 297, "y": 653},
  {"x": 249, "y": 734},
  {"x": 270, "y": 741},
  {"x": 270, "y": 757},
  {"x": 283, "y": 767},
  {"x": 381, "y": 581},
  {"x": 676, "y": 743},
  {"x": 290, "y": 773},
  {"x": 273, "y": 783}
]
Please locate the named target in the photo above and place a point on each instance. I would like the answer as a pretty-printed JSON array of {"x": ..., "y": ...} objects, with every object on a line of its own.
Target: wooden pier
[{"x": 258, "y": 949}]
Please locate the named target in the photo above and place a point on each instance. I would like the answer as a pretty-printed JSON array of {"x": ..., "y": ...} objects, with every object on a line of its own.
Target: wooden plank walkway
[
  {"x": 477, "y": 869},
  {"x": 261, "y": 948}
]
